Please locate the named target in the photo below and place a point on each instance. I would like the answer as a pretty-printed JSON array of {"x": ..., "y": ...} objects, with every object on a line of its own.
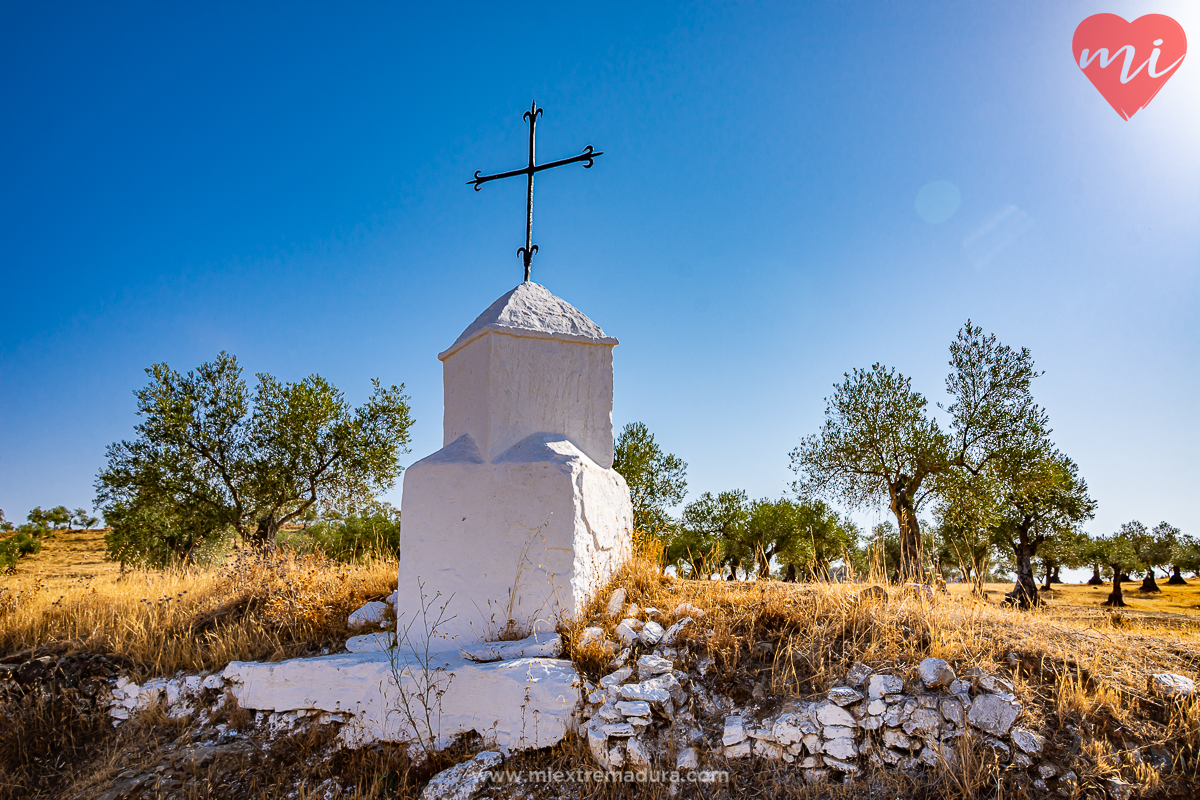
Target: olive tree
[
  {"x": 657, "y": 480},
  {"x": 1042, "y": 496},
  {"x": 712, "y": 534},
  {"x": 211, "y": 456},
  {"x": 1119, "y": 558},
  {"x": 1185, "y": 557},
  {"x": 878, "y": 443}
]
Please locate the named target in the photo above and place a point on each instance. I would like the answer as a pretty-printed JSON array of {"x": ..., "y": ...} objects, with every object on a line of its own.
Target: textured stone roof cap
[{"x": 531, "y": 310}]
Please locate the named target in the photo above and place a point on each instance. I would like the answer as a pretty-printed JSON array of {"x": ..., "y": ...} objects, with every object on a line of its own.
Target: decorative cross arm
[{"x": 587, "y": 156}]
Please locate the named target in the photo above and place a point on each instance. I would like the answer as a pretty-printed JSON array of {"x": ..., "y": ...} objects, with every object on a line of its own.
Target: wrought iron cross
[{"x": 587, "y": 156}]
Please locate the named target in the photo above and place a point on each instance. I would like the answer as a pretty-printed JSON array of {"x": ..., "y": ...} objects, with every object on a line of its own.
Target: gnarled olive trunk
[
  {"x": 1115, "y": 598},
  {"x": 911, "y": 568},
  {"x": 1096, "y": 579},
  {"x": 1148, "y": 583},
  {"x": 1176, "y": 578},
  {"x": 265, "y": 531},
  {"x": 1025, "y": 593}
]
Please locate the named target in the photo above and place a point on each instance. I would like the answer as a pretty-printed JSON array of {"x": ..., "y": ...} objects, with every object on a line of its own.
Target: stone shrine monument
[
  {"x": 506, "y": 531},
  {"x": 519, "y": 518}
]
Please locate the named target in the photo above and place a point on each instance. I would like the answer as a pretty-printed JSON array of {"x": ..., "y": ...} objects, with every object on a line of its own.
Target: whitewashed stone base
[
  {"x": 528, "y": 537},
  {"x": 519, "y": 704}
]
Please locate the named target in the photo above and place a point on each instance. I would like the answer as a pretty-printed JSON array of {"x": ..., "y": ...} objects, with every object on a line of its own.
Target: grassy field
[{"x": 1080, "y": 670}]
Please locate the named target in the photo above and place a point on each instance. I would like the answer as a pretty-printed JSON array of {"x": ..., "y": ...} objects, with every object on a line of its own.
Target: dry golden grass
[
  {"x": 1080, "y": 671},
  {"x": 265, "y": 607}
]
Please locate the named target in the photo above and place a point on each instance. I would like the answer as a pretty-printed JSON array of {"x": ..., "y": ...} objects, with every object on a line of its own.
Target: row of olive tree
[
  {"x": 992, "y": 473},
  {"x": 726, "y": 533}
]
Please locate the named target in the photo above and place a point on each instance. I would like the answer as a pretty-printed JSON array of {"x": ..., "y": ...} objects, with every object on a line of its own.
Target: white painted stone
[
  {"x": 769, "y": 750},
  {"x": 519, "y": 519},
  {"x": 838, "y": 732},
  {"x": 735, "y": 730},
  {"x": 637, "y": 753},
  {"x": 687, "y": 609},
  {"x": 535, "y": 646},
  {"x": 626, "y": 634},
  {"x": 844, "y": 695},
  {"x": 1026, "y": 740},
  {"x": 673, "y": 632},
  {"x": 668, "y": 683},
  {"x": 831, "y": 714},
  {"x": 619, "y": 730},
  {"x": 740, "y": 750},
  {"x": 609, "y": 713},
  {"x": 1169, "y": 684},
  {"x": 934, "y": 673},
  {"x": 634, "y": 708},
  {"x": 463, "y": 781},
  {"x": 813, "y": 743},
  {"x": 651, "y": 665},
  {"x": 213, "y": 682},
  {"x": 687, "y": 760},
  {"x": 786, "y": 730},
  {"x": 372, "y": 613},
  {"x": 993, "y": 714},
  {"x": 616, "y": 602},
  {"x": 654, "y": 695},
  {"x": 651, "y": 634},
  {"x": 897, "y": 738},
  {"x": 883, "y": 685},
  {"x": 517, "y": 704}
]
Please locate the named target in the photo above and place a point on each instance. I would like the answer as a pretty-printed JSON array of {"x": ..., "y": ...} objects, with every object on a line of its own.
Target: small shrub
[
  {"x": 14, "y": 547},
  {"x": 352, "y": 538}
]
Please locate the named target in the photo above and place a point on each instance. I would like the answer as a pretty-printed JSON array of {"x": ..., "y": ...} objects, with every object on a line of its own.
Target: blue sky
[{"x": 287, "y": 182}]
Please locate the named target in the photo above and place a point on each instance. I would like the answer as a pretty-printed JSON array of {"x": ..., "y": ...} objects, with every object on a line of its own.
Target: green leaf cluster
[{"x": 211, "y": 458}]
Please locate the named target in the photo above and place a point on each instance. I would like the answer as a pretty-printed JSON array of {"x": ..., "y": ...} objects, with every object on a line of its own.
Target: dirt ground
[
  {"x": 1174, "y": 604},
  {"x": 66, "y": 558}
]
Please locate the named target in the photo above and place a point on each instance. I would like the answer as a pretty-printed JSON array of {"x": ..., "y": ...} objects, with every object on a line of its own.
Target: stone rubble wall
[{"x": 652, "y": 711}]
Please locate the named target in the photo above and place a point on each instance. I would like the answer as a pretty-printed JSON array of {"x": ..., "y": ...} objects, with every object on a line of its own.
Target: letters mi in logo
[{"x": 1128, "y": 62}]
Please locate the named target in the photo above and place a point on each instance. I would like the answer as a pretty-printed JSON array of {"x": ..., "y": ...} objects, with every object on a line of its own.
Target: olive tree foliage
[
  {"x": 211, "y": 457},
  {"x": 657, "y": 480},
  {"x": 1119, "y": 557},
  {"x": 1153, "y": 547},
  {"x": 809, "y": 537},
  {"x": 711, "y": 535},
  {"x": 879, "y": 444},
  {"x": 1042, "y": 496},
  {"x": 1185, "y": 557}
]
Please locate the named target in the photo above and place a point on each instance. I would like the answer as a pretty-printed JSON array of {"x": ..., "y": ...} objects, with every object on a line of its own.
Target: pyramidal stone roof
[{"x": 531, "y": 310}]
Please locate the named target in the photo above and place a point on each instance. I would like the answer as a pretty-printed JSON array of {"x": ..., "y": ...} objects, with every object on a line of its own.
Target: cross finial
[{"x": 587, "y": 157}]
